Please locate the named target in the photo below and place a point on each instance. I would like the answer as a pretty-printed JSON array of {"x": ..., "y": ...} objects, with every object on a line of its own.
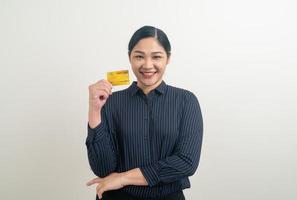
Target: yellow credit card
[{"x": 120, "y": 77}]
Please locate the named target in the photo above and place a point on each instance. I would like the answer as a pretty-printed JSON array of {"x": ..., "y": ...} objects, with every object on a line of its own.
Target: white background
[{"x": 238, "y": 57}]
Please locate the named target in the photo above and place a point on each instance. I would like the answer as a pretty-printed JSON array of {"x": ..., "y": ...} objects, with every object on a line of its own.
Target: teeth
[{"x": 148, "y": 74}]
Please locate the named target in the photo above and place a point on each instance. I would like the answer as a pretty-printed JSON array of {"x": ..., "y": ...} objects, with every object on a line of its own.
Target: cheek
[
  {"x": 135, "y": 68},
  {"x": 136, "y": 63},
  {"x": 161, "y": 65}
]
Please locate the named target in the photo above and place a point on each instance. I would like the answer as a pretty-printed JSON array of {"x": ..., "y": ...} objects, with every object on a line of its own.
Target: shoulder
[
  {"x": 188, "y": 101},
  {"x": 185, "y": 94}
]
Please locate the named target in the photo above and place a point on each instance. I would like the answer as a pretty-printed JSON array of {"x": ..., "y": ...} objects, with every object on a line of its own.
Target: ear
[
  {"x": 129, "y": 56},
  {"x": 168, "y": 59}
]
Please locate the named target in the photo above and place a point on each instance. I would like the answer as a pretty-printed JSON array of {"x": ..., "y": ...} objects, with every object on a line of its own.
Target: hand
[
  {"x": 113, "y": 181},
  {"x": 98, "y": 94}
]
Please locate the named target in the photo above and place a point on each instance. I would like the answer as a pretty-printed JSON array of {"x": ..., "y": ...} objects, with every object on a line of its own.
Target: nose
[{"x": 148, "y": 63}]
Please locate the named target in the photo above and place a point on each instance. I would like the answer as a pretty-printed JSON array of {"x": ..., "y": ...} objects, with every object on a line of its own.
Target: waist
[{"x": 120, "y": 194}]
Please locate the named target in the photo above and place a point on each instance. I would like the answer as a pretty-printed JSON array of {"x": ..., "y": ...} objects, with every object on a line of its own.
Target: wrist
[
  {"x": 94, "y": 118},
  {"x": 133, "y": 177},
  {"x": 94, "y": 111},
  {"x": 125, "y": 178}
]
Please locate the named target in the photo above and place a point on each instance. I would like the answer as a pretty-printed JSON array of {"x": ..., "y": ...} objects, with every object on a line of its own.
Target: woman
[{"x": 145, "y": 141}]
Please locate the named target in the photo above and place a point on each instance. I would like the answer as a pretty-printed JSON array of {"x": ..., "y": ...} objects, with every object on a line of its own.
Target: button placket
[{"x": 147, "y": 119}]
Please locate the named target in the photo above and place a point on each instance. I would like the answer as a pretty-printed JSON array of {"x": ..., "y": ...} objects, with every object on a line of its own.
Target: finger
[
  {"x": 100, "y": 193},
  {"x": 100, "y": 81},
  {"x": 107, "y": 82},
  {"x": 99, "y": 94},
  {"x": 108, "y": 86},
  {"x": 97, "y": 191},
  {"x": 104, "y": 82},
  {"x": 93, "y": 181},
  {"x": 101, "y": 85},
  {"x": 98, "y": 188},
  {"x": 103, "y": 94},
  {"x": 105, "y": 88}
]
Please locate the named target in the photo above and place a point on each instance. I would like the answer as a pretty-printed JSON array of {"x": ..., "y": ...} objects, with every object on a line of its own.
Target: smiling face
[{"x": 148, "y": 61}]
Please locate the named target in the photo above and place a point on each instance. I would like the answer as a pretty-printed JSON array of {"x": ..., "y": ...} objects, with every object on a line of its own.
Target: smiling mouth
[{"x": 148, "y": 74}]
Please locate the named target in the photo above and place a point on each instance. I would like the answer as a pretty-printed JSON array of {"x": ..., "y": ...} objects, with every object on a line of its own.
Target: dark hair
[{"x": 150, "y": 31}]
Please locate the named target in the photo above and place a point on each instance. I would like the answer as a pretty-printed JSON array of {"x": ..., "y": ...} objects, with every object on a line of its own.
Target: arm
[
  {"x": 185, "y": 158},
  {"x": 115, "y": 181},
  {"x": 182, "y": 163},
  {"x": 100, "y": 145}
]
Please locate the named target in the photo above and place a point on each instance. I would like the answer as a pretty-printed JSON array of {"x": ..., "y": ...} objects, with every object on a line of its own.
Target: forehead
[{"x": 148, "y": 45}]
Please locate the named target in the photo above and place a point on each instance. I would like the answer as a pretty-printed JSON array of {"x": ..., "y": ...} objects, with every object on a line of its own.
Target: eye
[
  {"x": 138, "y": 57},
  {"x": 157, "y": 57}
]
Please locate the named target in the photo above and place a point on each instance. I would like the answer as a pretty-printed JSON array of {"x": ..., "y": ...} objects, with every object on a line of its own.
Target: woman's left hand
[{"x": 113, "y": 181}]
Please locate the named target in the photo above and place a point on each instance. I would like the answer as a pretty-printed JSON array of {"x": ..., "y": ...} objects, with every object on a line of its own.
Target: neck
[{"x": 147, "y": 89}]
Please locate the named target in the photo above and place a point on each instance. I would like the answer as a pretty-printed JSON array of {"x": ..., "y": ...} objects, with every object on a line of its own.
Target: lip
[{"x": 148, "y": 74}]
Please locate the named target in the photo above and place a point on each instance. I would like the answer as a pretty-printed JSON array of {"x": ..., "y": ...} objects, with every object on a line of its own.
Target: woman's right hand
[{"x": 98, "y": 95}]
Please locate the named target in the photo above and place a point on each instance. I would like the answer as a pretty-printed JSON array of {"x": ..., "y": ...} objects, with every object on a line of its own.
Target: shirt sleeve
[
  {"x": 100, "y": 147},
  {"x": 185, "y": 158}
]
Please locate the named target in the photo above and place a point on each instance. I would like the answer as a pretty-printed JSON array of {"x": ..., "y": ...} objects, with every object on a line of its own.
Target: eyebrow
[{"x": 155, "y": 52}]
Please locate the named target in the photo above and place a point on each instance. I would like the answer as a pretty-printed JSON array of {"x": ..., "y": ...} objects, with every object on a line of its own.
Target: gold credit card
[{"x": 120, "y": 77}]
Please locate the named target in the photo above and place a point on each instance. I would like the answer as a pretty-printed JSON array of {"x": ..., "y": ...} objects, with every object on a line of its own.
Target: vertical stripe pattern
[{"x": 160, "y": 133}]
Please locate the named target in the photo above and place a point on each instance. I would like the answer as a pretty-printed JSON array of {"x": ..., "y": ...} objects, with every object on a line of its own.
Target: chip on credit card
[{"x": 120, "y": 77}]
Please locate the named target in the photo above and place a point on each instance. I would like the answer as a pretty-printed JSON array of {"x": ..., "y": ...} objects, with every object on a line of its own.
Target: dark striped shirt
[{"x": 160, "y": 133}]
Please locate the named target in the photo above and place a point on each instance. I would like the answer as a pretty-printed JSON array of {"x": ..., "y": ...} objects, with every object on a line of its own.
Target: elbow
[{"x": 191, "y": 167}]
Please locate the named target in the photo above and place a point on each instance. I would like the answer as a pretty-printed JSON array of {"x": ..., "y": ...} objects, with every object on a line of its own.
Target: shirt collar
[{"x": 133, "y": 89}]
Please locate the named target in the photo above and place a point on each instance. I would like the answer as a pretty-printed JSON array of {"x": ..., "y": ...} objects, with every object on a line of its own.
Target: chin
[{"x": 149, "y": 82}]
